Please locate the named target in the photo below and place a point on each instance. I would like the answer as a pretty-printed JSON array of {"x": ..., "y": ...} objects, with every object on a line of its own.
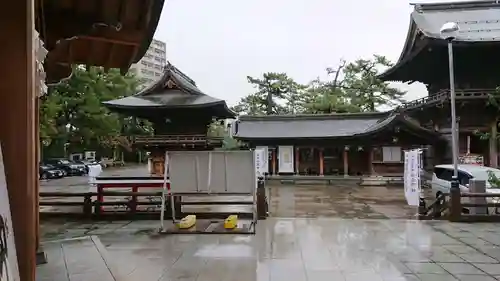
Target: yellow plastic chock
[
  {"x": 231, "y": 222},
  {"x": 187, "y": 222}
]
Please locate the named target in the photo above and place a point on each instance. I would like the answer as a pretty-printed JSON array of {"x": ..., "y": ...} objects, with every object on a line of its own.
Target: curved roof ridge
[
  {"x": 298, "y": 117},
  {"x": 458, "y": 5},
  {"x": 162, "y": 86}
]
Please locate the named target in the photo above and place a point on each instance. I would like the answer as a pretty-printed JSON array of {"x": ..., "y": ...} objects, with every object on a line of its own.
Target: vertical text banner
[{"x": 412, "y": 177}]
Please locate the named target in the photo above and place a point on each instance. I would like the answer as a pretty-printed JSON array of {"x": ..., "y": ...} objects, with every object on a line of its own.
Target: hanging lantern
[
  {"x": 394, "y": 139},
  {"x": 346, "y": 148},
  {"x": 360, "y": 148}
]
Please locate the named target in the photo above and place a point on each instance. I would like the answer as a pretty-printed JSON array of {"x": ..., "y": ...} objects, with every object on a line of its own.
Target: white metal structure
[
  {"x": 441, "y": 179},
  {"x": 206, "y": 173}
]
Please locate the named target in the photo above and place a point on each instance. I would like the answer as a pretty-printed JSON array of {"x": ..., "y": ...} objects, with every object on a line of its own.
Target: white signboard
[
  {"x": 260, "y": 162},
  {"x": 285, "y": 159},
  {"x": 265, "y": 158},
  {"x": 9, "y": 270},
  {"x": 412, "y": 177}
]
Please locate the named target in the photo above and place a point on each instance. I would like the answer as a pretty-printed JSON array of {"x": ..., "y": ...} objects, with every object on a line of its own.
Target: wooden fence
[
  {"x": 129, "y": 201},
  {"x": 450, "y": 206}
]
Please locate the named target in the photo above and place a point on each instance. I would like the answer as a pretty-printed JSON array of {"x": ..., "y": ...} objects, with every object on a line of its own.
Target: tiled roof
[
  {"x": 297, "y": 126},
  {"x": 174, "y": 90},
  {"x": 479, "y": 21},
  {"x": 323, "y": 126}
]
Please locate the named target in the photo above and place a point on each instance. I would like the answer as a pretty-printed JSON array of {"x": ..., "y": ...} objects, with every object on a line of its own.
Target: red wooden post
[
  {"x": 273, "y": 161},
  {"x": 297, "y": 160},
  {"x": 133, "y": 201},
  {"x": 100, "y": 196},
  {"x": 321, "y": 161},
  {"x": 345, "y": 158}
]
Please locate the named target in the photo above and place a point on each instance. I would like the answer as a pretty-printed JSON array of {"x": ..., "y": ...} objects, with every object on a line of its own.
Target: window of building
[
  {"x": 391, "y": 154},
  {"x": 144, "y": 63}
]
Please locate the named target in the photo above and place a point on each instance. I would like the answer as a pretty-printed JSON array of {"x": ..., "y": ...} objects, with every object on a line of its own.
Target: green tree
[
  {"x": 72, "y": 112},
  {"x": 218, "y": 129},
  {"x": 364, "y": 89},
  {"x": 325, "y": 97},
  {"x": 253, "y": 104},
  {"x": 276, "y": 93}
]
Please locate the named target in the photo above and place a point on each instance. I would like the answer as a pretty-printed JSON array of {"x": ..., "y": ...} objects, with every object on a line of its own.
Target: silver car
[{"x": 441, "y": 180}]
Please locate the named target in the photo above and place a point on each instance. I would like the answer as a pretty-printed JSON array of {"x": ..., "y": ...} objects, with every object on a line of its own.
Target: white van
[{"x": 441, "y": 179}]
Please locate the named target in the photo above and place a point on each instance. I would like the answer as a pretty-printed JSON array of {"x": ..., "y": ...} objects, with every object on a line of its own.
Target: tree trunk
[{"x": 269, "y": 110}]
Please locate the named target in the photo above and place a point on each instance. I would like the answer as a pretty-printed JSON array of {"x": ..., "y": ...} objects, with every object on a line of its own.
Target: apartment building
[{"x": 149, "y": 68}]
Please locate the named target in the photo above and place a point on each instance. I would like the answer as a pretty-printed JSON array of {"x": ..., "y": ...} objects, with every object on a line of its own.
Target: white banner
[
  {"x": 260, "y": 162},
  {"x": 9, "y": 270},
  {"x": 285, "y": 159},
  {"x": 412, "y": 177}
]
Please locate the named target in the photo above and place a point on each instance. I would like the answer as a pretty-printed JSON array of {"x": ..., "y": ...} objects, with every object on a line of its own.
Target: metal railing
[
  {"x": 444, "y": 95},
  {"x": 176, "y": 139}
]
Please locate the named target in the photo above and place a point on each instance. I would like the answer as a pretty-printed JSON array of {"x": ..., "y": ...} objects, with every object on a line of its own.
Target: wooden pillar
[
  {"x": 37, "y": 180},
  {"x": 493, "y": 143},
  {"x": 321, "y": 161},
  {"x": 17, "y": 130},
  {"x": 273, "y": 161},
  {"x": 370, "y": 161},
  {"x": 345, "y": 157},
  {"x": 297, "y": 161}
]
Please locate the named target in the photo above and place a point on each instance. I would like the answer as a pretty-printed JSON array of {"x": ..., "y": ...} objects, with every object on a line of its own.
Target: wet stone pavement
[
  {"x": 297, "y": 249},
  {"x": 343, "y": 200}
]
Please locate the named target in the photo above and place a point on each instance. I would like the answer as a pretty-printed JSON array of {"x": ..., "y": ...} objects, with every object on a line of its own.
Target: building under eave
[{"x": 352, "y": 144}]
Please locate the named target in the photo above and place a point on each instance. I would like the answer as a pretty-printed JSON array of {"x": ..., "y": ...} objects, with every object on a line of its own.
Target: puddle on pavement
[{"x": 225, "y": 251}]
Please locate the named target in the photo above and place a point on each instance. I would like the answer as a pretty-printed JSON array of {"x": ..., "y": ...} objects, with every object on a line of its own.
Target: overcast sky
[{"x": 219, "y": 42}]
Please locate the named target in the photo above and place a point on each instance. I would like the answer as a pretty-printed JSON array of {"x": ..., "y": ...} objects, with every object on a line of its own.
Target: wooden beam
[
  {"x": 63, "y": 24},
  {"x": 17, "y": 135},
  {"x": 108, "y": 40}
]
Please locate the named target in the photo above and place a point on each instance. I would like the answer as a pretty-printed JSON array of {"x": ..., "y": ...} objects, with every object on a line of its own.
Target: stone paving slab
[
  {"x": 344, "y": 200},
  {"x": 74, "y": 260},
  {"x": 302, "y": 249}
]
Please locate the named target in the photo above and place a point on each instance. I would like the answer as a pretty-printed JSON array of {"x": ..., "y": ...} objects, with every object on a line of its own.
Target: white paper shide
[{"x": 40, "y": 54}]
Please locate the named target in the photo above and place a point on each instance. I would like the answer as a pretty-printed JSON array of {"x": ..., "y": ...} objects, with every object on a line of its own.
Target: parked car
[
  {"x": 441, "y": 180},
  {"x": 71, "y": 168},
  {"x": 106, "y": 162},
  {"x": 49, "y": 172}
]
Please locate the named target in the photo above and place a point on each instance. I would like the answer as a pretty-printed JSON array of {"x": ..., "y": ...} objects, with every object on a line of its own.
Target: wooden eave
[{"x": 112, "y": 34}]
